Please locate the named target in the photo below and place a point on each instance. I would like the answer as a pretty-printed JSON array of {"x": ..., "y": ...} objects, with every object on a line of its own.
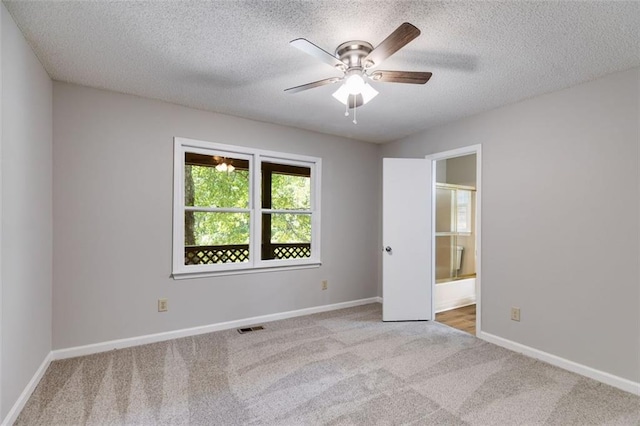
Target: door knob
[{"x": 387, "y": 249}]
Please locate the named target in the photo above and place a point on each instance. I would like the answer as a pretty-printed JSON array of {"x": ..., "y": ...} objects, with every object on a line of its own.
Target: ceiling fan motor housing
[{"x": 353, "y": 52}]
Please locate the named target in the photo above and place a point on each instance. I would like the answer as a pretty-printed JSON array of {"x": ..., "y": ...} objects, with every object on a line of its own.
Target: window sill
[{"x": 205, "y": 274}]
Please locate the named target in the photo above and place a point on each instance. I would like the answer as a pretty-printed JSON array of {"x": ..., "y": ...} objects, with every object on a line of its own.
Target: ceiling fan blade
[
  {"x": 311, "y": 49},
  {"x": 401, "y": 77},
  {"x": 308, "y": 86},
  {"x": 390, "y": 45}
]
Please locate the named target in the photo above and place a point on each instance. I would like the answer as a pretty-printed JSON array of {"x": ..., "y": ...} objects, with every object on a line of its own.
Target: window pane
[
  {"x": 216, "y": 237},
  {"x": 214, "y": 181},
  {"x": 290, "y": 192},
  {"x": 286, "y": 187},
  {"x": 290, "y": 236},
  {"x": 463, "y": 214},
  {"x": 290, "y": 228}
]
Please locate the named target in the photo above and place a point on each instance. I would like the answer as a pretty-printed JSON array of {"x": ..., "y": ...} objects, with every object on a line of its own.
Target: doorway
[
  {"x": 408, "y": 237},
  {"x": 455, "y": 238}
]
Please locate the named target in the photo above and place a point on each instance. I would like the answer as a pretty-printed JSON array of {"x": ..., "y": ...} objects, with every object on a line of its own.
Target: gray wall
[
  {"x": 461, "y": 170},
  {"x": 26, "y": 213},
  {"x": 559, "y": 219},
  {"x": 112, "y": 161}
]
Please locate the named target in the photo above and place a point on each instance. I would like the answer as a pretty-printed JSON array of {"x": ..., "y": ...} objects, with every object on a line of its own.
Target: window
[
  {"x": 243, "y": 210},
  {"x": 463, "y": 211}
]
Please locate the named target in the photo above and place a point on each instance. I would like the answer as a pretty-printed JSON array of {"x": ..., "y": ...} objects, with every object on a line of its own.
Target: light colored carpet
[{"x": 342, "y": 367}]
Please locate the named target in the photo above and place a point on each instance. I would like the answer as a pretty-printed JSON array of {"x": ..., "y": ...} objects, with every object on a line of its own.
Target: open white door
[{"x": 406, "y": 238}]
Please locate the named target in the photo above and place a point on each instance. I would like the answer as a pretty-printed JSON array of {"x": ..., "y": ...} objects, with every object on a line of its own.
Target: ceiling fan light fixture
[
  {"x": 367, "y": 93},
  {"x": 342, "y": 94},
  {"x": 354, "y": 84},
  {"x": 225, "y": 166}
]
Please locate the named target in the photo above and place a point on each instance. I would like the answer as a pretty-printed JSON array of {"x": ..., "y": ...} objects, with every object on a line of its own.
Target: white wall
[
  {"x": 113, "y": 163},
  {"x": 560, "y": 219},
  {"x": 26, "y": 167},
  {"x": 441, "y": 171}
]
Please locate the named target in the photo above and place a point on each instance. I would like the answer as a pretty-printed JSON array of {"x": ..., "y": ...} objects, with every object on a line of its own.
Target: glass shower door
[{"x": 455, "y": 241}]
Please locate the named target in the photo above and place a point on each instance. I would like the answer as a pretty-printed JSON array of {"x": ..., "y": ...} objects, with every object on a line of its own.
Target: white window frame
[{"x": 255, "y": 158}]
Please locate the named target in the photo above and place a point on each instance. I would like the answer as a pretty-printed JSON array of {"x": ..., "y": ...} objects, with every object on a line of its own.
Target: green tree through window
[
  {"x": 238, "y": 208},
  {"x": 207, "y": 187},
  {"x": 286, "y": 203}
]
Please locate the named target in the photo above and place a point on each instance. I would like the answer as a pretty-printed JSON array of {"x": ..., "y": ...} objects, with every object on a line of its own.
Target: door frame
[{"x": 458, "y": 152}]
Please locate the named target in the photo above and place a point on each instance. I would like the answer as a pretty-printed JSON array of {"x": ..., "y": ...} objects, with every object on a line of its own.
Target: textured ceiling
[{"x": 233, "y": 57}]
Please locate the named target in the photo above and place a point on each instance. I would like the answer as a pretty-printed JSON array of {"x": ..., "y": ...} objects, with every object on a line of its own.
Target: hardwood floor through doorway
[{"x": 462, "y": 318}]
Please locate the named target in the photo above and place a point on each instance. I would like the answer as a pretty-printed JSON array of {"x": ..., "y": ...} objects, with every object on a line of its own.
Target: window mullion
[
  {"x": 256, "y": 230},
  {"x": 284, "y": 211},
  {"x": 216, "y": 209}
]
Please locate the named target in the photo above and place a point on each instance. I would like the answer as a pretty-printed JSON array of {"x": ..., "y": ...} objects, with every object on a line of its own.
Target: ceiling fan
[{"x": 357, "y": 60}]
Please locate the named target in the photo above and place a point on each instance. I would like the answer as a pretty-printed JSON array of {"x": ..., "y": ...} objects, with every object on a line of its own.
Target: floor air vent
[{"x": 248, "y": 329}]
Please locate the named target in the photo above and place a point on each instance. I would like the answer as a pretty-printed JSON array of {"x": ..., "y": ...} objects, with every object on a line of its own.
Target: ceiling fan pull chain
[
  {"x": 355, "y": 108},
  {"x": 346, "y": 109}
]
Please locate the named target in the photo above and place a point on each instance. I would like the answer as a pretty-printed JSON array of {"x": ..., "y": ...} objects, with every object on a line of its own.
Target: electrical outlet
[
  {"x": 325, "y": 284},
  {"x": 515, "y": 314},
  {"x": 163, "y": 305}
]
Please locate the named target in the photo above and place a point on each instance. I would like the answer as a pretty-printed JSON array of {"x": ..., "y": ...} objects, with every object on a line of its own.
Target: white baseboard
[
  {"x": 186, "y": 332},
  {"x": 13, "y": 414},
  {"x": 583, "y": 370}
]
